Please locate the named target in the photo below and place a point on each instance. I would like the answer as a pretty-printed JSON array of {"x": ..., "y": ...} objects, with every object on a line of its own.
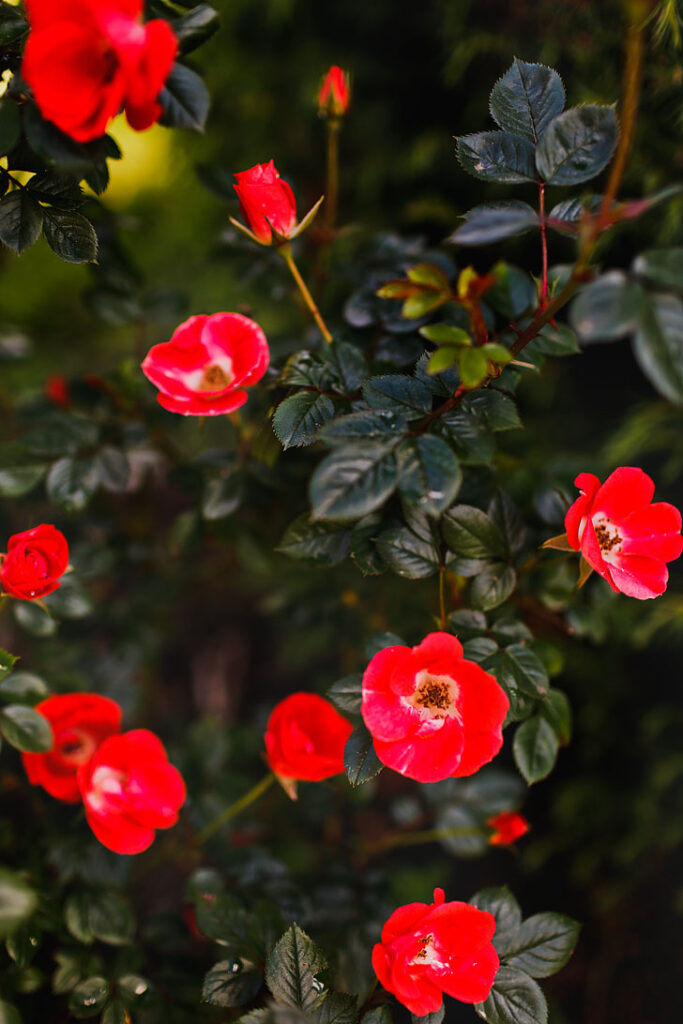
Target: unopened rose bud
[{"x": 335, "y": 93}]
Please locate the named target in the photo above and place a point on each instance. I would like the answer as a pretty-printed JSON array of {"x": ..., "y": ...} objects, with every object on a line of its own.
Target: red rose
[
  {"x": 202, "y": 370},
  {"x": 267, "y": 202},
  {"x": 507, "y": 827},
  {"x": 129, "y": 789},
  {"x": 335, "y": 93},
  {"x": 305, "y": 740},
  {"x": 621, "y": 535},
  {"x": 79, "y": 722},
  {"x": 86, "y": 60},
  {"x": 34, "y": 562},
  {"x": 432, "y": 713},
  {"x": 57, "y": 390},
  {"x": 431, "y": 948}
]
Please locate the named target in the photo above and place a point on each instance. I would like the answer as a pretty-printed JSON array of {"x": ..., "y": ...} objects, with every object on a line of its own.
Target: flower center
[
  {"x": 607, "y": 534},
  {"x": 76, "y": 747},
  {"x": 36, "y": 562},
  {"x": 107, "y": 789},
  {"x": 214, "y": 378},
  {"x": 427, "y": 955},
  {"x": 434, "y": 695}
]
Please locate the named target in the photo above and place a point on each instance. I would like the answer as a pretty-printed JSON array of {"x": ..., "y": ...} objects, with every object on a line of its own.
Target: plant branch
[
  {"x": 286, "y": 253},
  {"x": 236, "y": 808}
]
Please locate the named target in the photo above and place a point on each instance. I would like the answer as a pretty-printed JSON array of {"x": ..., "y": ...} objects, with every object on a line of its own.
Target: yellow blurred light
[{"x": 146, "y": 163}]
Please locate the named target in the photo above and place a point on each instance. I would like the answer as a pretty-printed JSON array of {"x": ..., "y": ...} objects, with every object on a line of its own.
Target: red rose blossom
[
  {"x": 57, "y": 390},
  {"x": 266, "y": 201},
  {"x": 432, "y": 713},
  {"x": 86, "y": 60},
  {"x": 335, "y": 93},
  {"x": 431, "y": 948},
  {"x": 204, "y": 368},
  {"x": 79, "y": 723},
  {"x": 34, "y": 562},
  {"x": 129, "y": 789},
  {"x": 305, "y": 740},
  {"x": 507, "y": 827},
  {"x": 625, "y": 538}
]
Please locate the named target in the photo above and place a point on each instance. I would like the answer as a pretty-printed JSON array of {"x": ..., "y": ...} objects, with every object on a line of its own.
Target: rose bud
[
  {"x": 79, "y": 723},
  {"x": 268, "y": 206},
  {"x": 34, "y": 562},
  {"x": 507, "y": 827},
  {"x": 86, "y": 60},
  {"x": 431, "y": 948},
  {"x": 57, "y": 390},
  {"x": 204, "y": 368},
  {"x": 305, "y": 740},
  {"x": 625, "y": 538},
  {"x": 129, "y": 789},
  {"x": 335, "y": 93},
  {"x": 432, "y": 713}
]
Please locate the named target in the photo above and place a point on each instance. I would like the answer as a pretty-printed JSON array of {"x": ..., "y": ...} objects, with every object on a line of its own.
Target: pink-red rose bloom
[
  {"x": 625, "y": 538},
  {"x": 86, "y": 60},
  {"x": 507, "y": 827},
  {"x": 266, "y": 201},
  {"x": 34, "y": 563},
  {"x": 204, "y": 368},
  {"x": 305, "y": 738},
  {"x": 432, "y": 713},
  {"x": 431, "y": 948},
  {"x": 335, "y": 93},
  {"x": 129, "y": 790},
  {"x": 79, "y": 723}
]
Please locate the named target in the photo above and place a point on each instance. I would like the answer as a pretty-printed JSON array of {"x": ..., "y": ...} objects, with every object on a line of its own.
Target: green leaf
[
  {"x": 497, "y": 156},
  {"x": 10, "y": 124},
  {"x": 469, "y": 838},
  {"x": 184, "y": 100},
  {"x": 379, "y": 641},
  {"x": 408, "y": 554},
  {"x": 110, "y": 918},
  {"x": 115, "y": 1013},
  {"x": 498, "y": 411},
  {"x": 430, "y": 1018},
  {"x": 77, "y": 917},
  {"x": 543, "y": 944},
  {"x": 346, "y": 366},
  {"x": 72, "y": 482},
  {"x": 298, "y": 419},
  {"x": 70, "y": 235},
  {"x": 608, "y": 308},
  {"x": 12, "y": 25},
  {"x": 59, "y": 190},
  {"x": 222, "y": 495},
  {"x": 364, "y": 552},
  {"x": 661, "y": 268},
  {"x": 7, "y": 662},
  {"x": 16, "y": 481},
  {"x": 133, "y": 989},
  {"x": 566, "y": 216},
  {"x": 513, "y": 293},
  {"x": 556, "y": 340},
  {"x": 515, "y": 999},
  {"x": 17, "y": 902},
  {"x": 315, "y": 542},
  {"x": 292, "y": 969},
  {"x": 23, "y": 688},
  {"x": 360, "y": 760},
  {"x": 9, "y": 1013},
  {"x": 493, "y": 586},
  {"x": 364, "y": 425},
  {"x": 21, "y": 221},
  {"x": 337, "y": 1008},
  {"x": 346, "y": 694},
  {"x": 229, "y": 984},
  {"x": 353, "y": 481},
  {"x": 471, "y": 533},
  {"x": 25, "y": 729},
  {"x": 577, "y": 145},
  {"x": 59, "y": 433},
  {"x": 469, "y": 434},
  {"x": 399, "y": 392},
  {"x": 535, "y": 748},
  {"x": 419, "y": 305},
  {"x": 442, "y": 359},
  {"x": 445, "y": 334},
  {"x": 518, "y": 668},
  {"x": 467, "y": 624},
  {"x": 658, "y": 346},
  {"x": 195, "y": 27},
  {"x": 69, "y": 601},
  {"x": 556, "y": 710},
  {"x": 112, "y": 468},
  {"x": 377, "y": 1015},
  {"x": 502, "y": 904},
  {"x": 507, "y": 518},
  {"x": 429, "y": 473},
  {"x": 89, "y": 997},
  {"x": 492, "y": 222},
  {"x": 472, "y": 367},
  {"x": 58, "y": 150},
  {"x": 33, "y": 619},
  {"x": 526, "y": 99}
]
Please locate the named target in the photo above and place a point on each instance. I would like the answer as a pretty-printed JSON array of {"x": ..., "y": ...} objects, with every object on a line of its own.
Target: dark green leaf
[
  {"x": 184, "y": 100},
  {"x": 543, "y": 944},
  {"x": 492, "y": 222},
  {"x": 515, "y": 999},
  {"x": 195, "y": 27},
  {"x": 502, "y": 904},
  {"x": 429, "y": 474},
  {"x": 112, "y": 468},
  {"x": 479, "y": 648},
  {"x": 70, "y": 235},
  {"x": 497, "y": 156},
  {"x": 397, "y": 391},
  {"x": 222, "y": 495},
  {"x": 379, "y": 641},
  {"x": 608, "y": 308},
  {"x": 661, "y": 268},
  {"x": 72, "y": 482},
  {"x": 469, "y": 434},
  {"x": 58, "y": 150},
  {"x": 566, "y": 216},
  {"x": 7, "y": 662},
  {"x": 89, "y": 997},
  {"x": 467, "y": 838},
  {"x": 133, "y": 989},
  {"x": 17, "y": 902},
  {"x": 298, "y": 419},
  {"x": 658, "y": 346},
  {"x": 110, "y": 918},
  {"x": 292, "y": 969},
  {"x": 18, "y": 480},
  {"x": 492, "y": 586},
  {"x": 23, "y": 688},
  {"x": 555, "y": 340},
  {"x": 25, "y": 729},
  {"x": 498, "y": 411},
  {"x": 535, "y": 748},
  {"x": 364, "y": 551},
  {"x": 77, "y": 917},
  {"x": 229, "y": 984},
  {"x": 353, "y": 481},
  {"x": 556, "y": 710},
  {"x": 58, "y": 190},
  {"x": 430, "y": 1018},
  {"x": 315, "y": 542},
  {"x": 526, "y": 99},
  {"x": 12, "y": 25},
  {"x": 337, "y": 1008},
  {"x": 518, "y": 668},
  {"x": 21, "y": 220},
  {"x": 346, "y": 366},
  {"x": 360, "y": 760},
  {"x": 10, "y": 123},
  {"x": 115, "y": 1013},
  {"x": 407, "y": 554},
  {"x": 23, "y": 944},
  {"x": 467, "y": 624},
  {"x": 471, "y": 533},
  {"x": 59, "y": 434},
  {"x": 364, "y": 425},
  {"x": 69, "y": 601},
  {"x": 346, "y": 694},
  {"x": 577, "y": 145},
  {"x": 378, "y": 1015},
  {"x": 33, "y": 619},
  {"x": 513, "y": 293},
  {"x": 507, "y": 518}
]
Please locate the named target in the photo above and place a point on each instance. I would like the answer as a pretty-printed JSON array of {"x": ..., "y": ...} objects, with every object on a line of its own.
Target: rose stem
[
  {"x": 332, "y": 191},
  {"x": 234, "y": 809},
  {"x": 286, "y": 252},
  {"x": 430, "y": 835},
  {"x": 544, "y": 244}
]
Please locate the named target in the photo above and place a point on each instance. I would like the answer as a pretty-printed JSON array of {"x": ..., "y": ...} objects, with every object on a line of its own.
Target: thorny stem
[
  {"x": 544, "y": 245},
  {"x": 332, "y": 190},
  {"x": 236, "y": 808},
  {"x": 286, "y": 253}
]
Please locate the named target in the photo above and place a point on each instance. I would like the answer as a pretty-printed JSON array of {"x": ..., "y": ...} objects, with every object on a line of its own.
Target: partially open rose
[{"x": 34, "y": 563}]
